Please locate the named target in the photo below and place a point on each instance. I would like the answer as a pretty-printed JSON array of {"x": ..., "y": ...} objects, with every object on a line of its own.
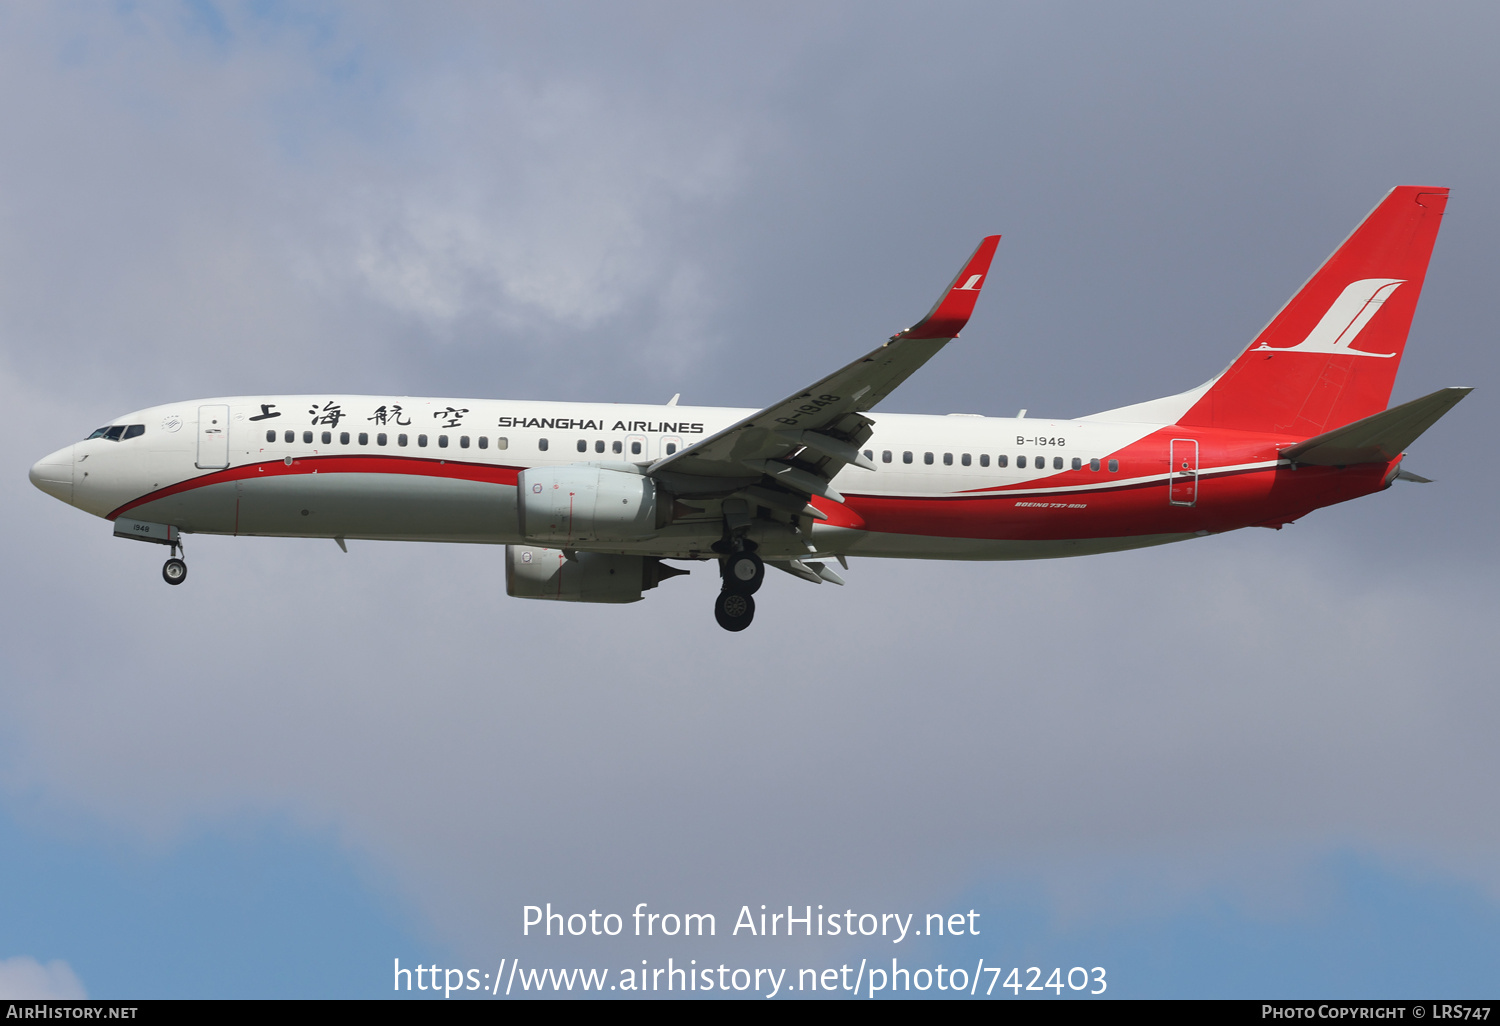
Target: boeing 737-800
[{"x": 589, "y": 499}]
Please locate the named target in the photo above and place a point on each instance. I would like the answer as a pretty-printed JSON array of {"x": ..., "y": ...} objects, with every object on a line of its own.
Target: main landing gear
[
  {"x": 174, "y": 570},
  {"x": 742, "y": 573},
  {"x": 733, "y": 610}
]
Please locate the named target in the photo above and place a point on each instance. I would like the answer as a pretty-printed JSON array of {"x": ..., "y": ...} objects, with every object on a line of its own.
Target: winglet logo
[
  {"x": 972, "y": 285},
  {"x": 1345, "y": 319}
]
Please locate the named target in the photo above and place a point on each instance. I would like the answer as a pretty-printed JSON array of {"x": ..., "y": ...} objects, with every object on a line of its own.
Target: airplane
[{"x": 591, "y": 499}]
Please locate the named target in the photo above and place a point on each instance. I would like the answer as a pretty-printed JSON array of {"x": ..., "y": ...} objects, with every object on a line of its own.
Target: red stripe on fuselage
[
  {"x": 417, "y": 466},
  {"x": 1225, "y": 502}
]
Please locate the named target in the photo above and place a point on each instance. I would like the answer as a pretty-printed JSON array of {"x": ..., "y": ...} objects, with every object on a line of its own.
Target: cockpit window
[
  {"x": 99, "y": 433},
  {"x": 135, "y": 431},
  {"x": 114, "y": 433}
]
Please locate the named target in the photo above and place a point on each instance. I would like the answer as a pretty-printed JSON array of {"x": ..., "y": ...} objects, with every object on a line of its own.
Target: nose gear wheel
[{"x": 174, "y": 570}]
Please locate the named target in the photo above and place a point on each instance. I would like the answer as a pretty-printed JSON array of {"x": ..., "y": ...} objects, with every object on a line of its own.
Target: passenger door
[{"x": 213, "y": 437}]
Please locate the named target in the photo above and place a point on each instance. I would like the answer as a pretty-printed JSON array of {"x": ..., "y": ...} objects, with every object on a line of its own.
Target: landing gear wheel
[
  {"x": 734, "y": 610},
  {"x": 743, "y": 572},
  {"x": 174, "y": 571}
]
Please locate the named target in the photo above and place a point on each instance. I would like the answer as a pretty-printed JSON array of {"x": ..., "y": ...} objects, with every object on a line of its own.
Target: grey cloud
[{"x": 540, "y": 206}]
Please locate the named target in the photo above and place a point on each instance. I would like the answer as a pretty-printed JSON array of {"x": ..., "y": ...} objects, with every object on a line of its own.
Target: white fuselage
[{"x": 422, "y": 469}]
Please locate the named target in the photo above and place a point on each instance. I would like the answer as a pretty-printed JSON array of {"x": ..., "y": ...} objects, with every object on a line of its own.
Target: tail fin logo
[
  {"x": 1345, "y": 319},
  {"x": 972, "y": 285}
]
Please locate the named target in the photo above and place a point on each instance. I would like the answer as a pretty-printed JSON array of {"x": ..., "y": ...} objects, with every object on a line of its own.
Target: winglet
[{"x": 952, "y": 311}]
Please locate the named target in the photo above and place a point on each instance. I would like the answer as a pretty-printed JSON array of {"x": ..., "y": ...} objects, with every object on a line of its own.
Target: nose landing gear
[{"x": 174, "y": 570}]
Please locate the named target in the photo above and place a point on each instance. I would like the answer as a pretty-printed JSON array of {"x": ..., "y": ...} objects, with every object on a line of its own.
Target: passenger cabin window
[
  {"x": 1057, "y": 463},
  {"x": 380, "y": 438},
  {"x": 906, "y": 456},
  {"x": 442, "y": 441},
  {"x": 869, "y": 454},
  {"x": 364, "y": 438},
  {"x": 502, "y": 442},
  {"x": 135, "y": 430},
  {"x": 463, "y": 441},
  {"x": 484, "y": 441},
  {"x": 327, "y": 437},
  {"x": 927, "y": 458},
  {"x": 1021, "y": 462},
  {"x": 307, "y": 438},
  {"x": 583, "y": 446},
  {"x": 671, "y": 448},
  {"x": 1114, "y": 466},
  {"x": 885, "y": 457},
  {"x": 1077, "y": 463},
  {"x": 947, "y": 459},
  {"x": 291, "y": 436},
  {"x": 541, "y": 444},
  {"x": 1094, "y": 465},
  {"x": 270, "y": 436},
  {"x": 343, "y": 438},
  {"x": 984, "y": 459},
  {"x": 1003, "y": 461},
  {"x": 113, "y": 434},
  {"x": 617, "y": 448},
  {"x": 401, "y": 440},
  {"x": 967, "y": 459},
  {"x": 421, "y": 441},
  {"x": 599, "y": 445},
  {"x": 635, "y": 448}
]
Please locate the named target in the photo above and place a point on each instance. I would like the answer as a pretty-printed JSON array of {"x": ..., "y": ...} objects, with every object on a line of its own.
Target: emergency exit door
[
  {"x": 1182, "y": 480},
  {"x": 213, "y": 437}
]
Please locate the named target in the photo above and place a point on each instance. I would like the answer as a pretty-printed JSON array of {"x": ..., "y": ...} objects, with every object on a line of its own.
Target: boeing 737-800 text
[{"x": 590, "y": 499}]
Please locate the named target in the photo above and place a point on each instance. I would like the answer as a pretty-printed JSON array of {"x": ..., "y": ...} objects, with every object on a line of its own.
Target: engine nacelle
[
  {"x": 575, "y": 505},
  {"x": 532, "y": 571}
]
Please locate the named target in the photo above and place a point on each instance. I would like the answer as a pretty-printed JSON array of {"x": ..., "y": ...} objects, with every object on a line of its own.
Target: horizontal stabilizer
[{"x": 1377, "y": 439}]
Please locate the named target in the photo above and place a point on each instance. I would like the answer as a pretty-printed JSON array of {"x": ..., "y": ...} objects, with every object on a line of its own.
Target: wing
[{"x": 800, "y": 443}]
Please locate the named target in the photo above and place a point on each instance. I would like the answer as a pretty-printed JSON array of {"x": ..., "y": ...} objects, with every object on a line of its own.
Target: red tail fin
[{"x": 1330, "y": 356}]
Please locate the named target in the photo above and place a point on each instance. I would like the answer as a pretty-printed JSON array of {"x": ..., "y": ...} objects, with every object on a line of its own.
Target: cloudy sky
[{"x": 1252, "y": 765}]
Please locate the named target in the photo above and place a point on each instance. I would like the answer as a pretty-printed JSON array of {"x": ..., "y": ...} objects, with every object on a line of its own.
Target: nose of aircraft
[{"x": 54, "y": 474}]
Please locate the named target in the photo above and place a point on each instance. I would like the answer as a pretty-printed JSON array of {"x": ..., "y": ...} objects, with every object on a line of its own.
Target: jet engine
[
  {"x": 580, "y": 504},
  {"x": 532, "y": 571}
]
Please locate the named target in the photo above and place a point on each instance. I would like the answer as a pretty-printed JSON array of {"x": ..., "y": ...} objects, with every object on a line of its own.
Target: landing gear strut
[{"x": 174, "y": 570}]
